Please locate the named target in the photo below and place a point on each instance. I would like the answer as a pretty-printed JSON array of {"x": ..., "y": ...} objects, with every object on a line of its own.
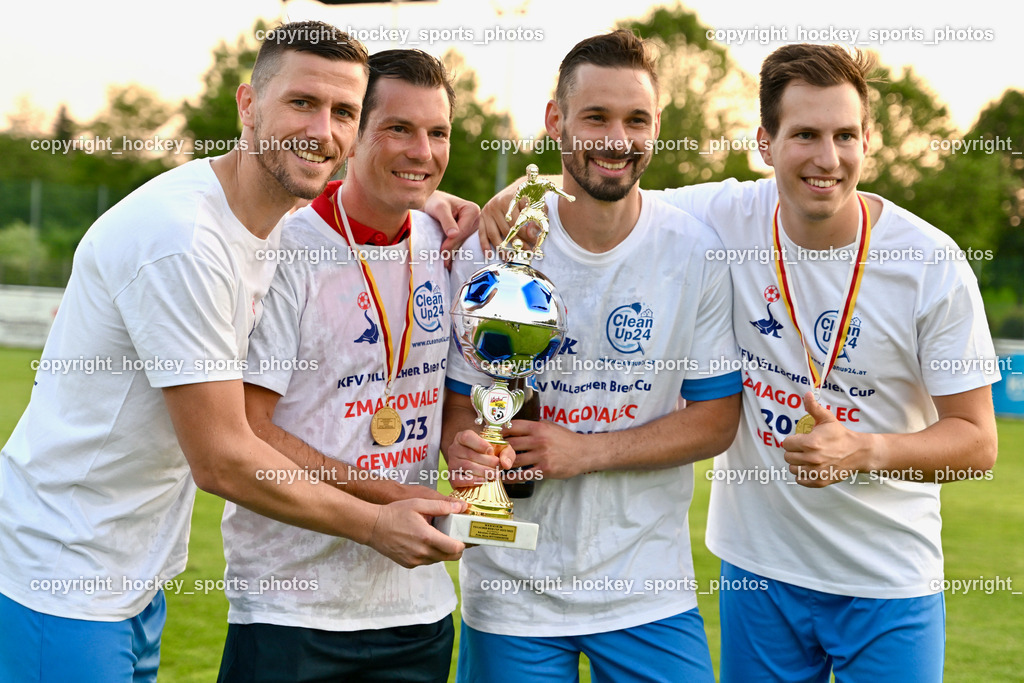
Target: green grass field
[{"x": 983, "y": 537}]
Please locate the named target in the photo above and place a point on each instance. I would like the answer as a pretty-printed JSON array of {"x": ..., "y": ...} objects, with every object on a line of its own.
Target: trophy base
[{"x": 478, "y": 530}]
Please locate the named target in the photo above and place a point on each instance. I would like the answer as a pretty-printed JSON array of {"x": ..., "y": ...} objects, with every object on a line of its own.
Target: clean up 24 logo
[
  {"x": 825, "y": 327},
  {"x": 629, "y": 327},
  {"x": 428, "y": 306}
]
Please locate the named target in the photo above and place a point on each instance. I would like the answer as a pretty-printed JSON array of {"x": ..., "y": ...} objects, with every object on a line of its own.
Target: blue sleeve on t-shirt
[
  {"x": 458, "y": 387},
  {"x": 708, "y": 388}
]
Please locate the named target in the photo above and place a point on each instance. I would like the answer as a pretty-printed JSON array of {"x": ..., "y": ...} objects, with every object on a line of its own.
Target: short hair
[
  {"x": 317, "y": 37},
  {"x": 620, "y": 49},
  {"x": 818, "y": 65},
  {"x": 414, "y": 67}
]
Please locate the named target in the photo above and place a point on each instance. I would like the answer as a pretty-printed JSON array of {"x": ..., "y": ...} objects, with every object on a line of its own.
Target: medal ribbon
[
  {"x": 390, "y": 366},
  {"x": 852, "y": 288}
]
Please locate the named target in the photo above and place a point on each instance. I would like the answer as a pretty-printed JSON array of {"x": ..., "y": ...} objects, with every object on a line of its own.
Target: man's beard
[
  {"x": 603, "y": 189},
  {"x": 271, "y": 157}
]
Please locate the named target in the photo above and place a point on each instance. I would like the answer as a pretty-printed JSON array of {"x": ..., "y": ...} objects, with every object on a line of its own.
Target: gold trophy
[
  {"x": 509, "y": 321},
  {"x": 533, "y": 190}
]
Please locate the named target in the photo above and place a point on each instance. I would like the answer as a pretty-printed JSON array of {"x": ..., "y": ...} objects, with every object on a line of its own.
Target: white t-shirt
[
  {"x": 93, "y": 485},
  {"x": 614, "y": 546},
  {"x": 320, "y": 347},
  {"x": 918, "y": 309}
]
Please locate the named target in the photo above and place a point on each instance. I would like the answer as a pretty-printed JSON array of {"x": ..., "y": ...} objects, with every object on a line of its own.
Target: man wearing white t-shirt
[
  {"x": 98, "y": 478},
  {"x": 830, "y": 540},
  {"x": 362, "y": 330},
  {"x": 832, "y": 537},
  {"x": 648, "y": 322}
]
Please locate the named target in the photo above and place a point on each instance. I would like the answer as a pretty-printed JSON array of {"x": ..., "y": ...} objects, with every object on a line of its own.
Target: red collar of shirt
[{"x": 363, "y": 234}]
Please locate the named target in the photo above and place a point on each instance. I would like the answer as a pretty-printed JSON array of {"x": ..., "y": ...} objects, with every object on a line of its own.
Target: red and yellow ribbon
[
  {"x": 852, "y": 290},
  {"x": 390, "y": 366}
]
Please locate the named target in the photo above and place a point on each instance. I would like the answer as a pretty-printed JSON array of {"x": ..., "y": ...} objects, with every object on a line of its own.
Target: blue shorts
[
  {"x": 672, "y": 649},
  {"x": 42, "y": 648},
  {"x": 775, "y": 631}
]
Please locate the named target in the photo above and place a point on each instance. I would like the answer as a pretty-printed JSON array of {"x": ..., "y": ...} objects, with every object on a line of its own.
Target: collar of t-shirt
[{"x": 363, "y": 234}]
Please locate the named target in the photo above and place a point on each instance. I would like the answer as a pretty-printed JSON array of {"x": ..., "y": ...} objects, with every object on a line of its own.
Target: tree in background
[
  {"x": 976, "y": 197},
  {"x": 905, "y": 117},
  {"x": 475, "y": 124},
  {"x": 971, "y": 193},
  {"x": 135, "y": 117},
  {"x": 133, "y": 113},
  {"x": 910, "y": 163},
  {"x": 58, "y": 194},
  {"x": 21, "y": 252},
  {"x": 1003, "y": 122},
  {"x": 707, "y": 101},
  {"x": 69, "y": 190},
  {"x": 214, "y": 118}
]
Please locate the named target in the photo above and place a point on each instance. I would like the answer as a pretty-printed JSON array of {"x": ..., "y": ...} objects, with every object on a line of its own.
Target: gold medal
[
  {"x": 385, "y": 426},
  {"x": 805, "y": 424}
]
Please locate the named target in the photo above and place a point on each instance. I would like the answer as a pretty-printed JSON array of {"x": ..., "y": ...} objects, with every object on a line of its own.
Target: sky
[{"x": 68, "y": 52}]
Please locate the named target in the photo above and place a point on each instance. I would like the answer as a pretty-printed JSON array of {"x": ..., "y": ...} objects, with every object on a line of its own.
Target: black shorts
[{"x": 268, "y": 653}]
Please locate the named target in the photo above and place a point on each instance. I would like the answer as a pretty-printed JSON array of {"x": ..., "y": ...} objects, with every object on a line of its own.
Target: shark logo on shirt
[
  {"x": 372, "y": 333},
  {"x": 769, "y": 325}
]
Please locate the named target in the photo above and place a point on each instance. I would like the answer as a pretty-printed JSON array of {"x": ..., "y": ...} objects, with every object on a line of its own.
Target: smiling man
[
  {"x": 844, "y": 396},
  {"x": 98, "y": 479},
  {"x": 371, "y": 324},
  {"x": 613, "y": 451}
]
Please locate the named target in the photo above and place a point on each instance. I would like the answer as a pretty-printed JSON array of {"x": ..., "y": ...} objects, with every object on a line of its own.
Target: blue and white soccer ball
[{"x": 509, "y": 320}]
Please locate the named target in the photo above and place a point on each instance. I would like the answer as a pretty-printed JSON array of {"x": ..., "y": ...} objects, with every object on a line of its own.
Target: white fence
[{"x": 26, "y": 314}]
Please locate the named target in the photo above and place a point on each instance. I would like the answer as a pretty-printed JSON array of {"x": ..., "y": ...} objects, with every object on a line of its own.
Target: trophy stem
[
  {"x": 492, "y": 435},
  {"x": 495, "y": 406}
]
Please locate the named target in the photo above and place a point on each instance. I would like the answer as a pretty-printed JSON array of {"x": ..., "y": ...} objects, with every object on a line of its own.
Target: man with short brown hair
[
  {"x": 370, "y": 320},
  {"x": 845, "y": 331},
  {"x": 612, "y": 575}
]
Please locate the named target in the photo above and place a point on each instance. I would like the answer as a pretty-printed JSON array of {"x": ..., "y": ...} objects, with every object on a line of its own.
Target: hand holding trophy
[{"x": 508, "y": 322}]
